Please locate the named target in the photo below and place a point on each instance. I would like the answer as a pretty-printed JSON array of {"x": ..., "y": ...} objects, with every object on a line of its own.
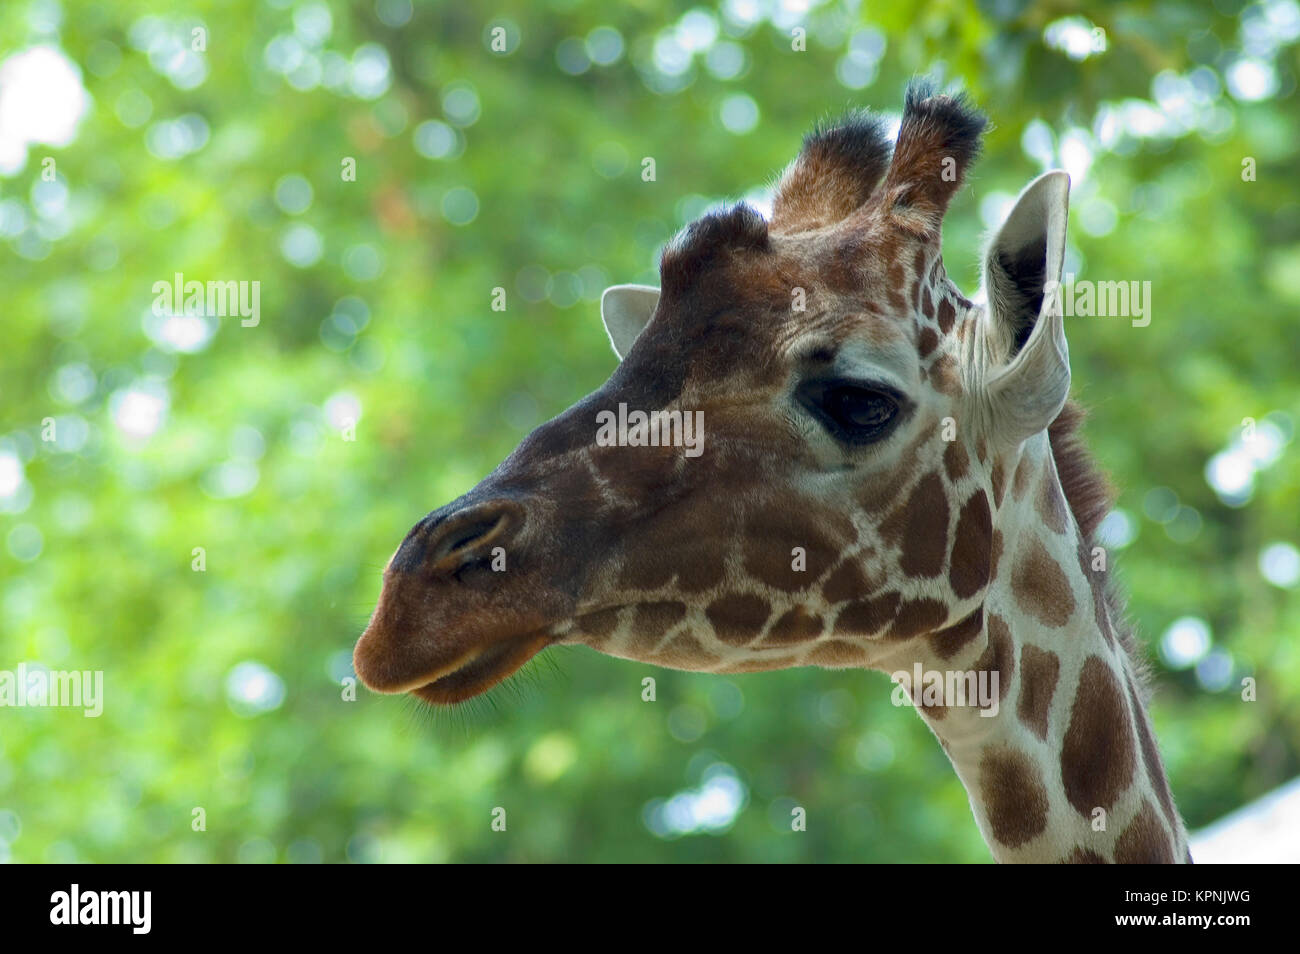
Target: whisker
[{"x": 493, "y": 707}]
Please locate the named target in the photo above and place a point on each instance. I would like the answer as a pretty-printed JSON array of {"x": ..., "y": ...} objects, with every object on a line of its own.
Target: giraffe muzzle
[{"x": 449, "y": 624}]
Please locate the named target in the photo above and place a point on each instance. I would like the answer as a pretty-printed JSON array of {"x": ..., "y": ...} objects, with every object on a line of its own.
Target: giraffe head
[{"x": 817, "y": 486}]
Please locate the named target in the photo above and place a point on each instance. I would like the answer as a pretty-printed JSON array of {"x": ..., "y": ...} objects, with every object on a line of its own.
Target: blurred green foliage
[{"x": 521, "y": 169}]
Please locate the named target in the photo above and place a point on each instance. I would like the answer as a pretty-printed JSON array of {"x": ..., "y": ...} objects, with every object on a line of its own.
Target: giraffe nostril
[
  {"x": 467, "y": 536},
  {"x": 477, "y": 532},
  {"x": 463, "y": 538}
]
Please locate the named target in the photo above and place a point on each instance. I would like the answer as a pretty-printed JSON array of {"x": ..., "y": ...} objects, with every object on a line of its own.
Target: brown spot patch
[
  {"x": 944, "y": 376},
  {"x": 1013, "y": 796},
  {"x": 671, "y": 543},
  {"x": 685, "y": 652},
  {"x": 933, "y": 711},
  {"x": 655, "y": 619},
  {"x": 972, "y": 544},
  {"x": 1040, "y": 585},
  {"x": 999, "y": 483},
  {"x": 651, "y": 469},
  {"x": 1144, "y": 841},
  {"x": 577, "y": 487},
  {"x": 867, "y": 617},
  {"x": 846, "y": 583},
  {"x": 917, "y": 617},
  {"x": 795, "y": 626},
  {"x": 1039, "y": 670},
  {"x": 738, "y": 618},
  {"x": 955, "y": 461},
  {"x": 924, "y": 528},
  {"x": 928, "y": 341},
  {"x": 918, "y": 265},
  {"x": 837, "y": 654},
  {"x": 770, "y": 538},
  {"x": 1020, "y": 482},
  {"x": 999, "y": 656},
  {"x": 1082, "y": 856},
  {"x": 647, "y": 568},
  {"x": 698, "y": 567},
  {"x": 599, "y": 626},
  {"x": 946, "y": 643},
  {"x": 1097, "y": 758},
  {"x": 896, "y": 287},
  {"x": 947, "y": 315},
  {"x": 1051, "y": 506},
  {"x": 995, "y": 553}
]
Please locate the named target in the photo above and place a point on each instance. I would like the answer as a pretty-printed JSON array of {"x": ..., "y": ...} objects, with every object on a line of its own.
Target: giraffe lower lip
[{"x": 484, "y": 671}]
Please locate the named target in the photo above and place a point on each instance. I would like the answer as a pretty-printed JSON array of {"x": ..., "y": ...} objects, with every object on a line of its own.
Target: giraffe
[{"x": 891, "y": 477}]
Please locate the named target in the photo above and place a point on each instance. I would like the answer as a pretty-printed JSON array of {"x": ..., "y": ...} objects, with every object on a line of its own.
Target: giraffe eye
[{"x": 853, "y": 413}]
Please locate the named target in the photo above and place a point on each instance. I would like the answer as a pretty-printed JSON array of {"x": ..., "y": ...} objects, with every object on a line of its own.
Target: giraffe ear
[
  {"x": 626, "y": 309},
  {"x": 1028, "y": 360}
]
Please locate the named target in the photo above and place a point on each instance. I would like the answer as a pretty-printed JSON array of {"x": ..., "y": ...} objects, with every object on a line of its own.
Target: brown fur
[
  {"x": 1014, "y": 797},
  {"x": 1089, "y": 495}
]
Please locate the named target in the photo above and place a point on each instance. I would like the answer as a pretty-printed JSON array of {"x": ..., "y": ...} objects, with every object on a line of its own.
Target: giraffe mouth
[{"x": 478, "y": 672}]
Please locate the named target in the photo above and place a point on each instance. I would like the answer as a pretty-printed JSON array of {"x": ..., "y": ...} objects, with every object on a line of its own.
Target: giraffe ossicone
[{"x": 892, "y": 479}]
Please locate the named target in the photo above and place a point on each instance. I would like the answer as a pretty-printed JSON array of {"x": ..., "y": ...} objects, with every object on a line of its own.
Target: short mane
[{"x": 1090, "y": 496}]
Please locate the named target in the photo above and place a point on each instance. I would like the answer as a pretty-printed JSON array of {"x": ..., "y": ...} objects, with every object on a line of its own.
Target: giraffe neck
[{"x": 1064, "y": 766}]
